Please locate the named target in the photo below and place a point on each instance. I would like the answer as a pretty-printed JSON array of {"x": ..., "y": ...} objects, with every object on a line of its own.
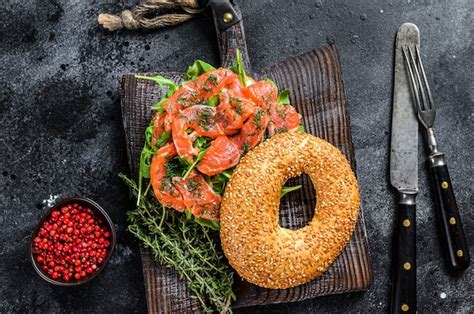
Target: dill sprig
[{"x": 186, "y": 246}]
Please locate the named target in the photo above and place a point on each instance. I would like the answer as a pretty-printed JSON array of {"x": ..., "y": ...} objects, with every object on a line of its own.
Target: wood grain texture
[{"x": 316, "y": 89}]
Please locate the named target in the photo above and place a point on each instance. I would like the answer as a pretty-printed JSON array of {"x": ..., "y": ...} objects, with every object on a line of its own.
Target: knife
[{"x": 404, "y": 177}]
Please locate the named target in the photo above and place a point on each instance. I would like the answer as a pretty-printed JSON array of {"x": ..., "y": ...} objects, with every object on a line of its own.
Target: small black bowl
[{"x": 100, "y": 212}]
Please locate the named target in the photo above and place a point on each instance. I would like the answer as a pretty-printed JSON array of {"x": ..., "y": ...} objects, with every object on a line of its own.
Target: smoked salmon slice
[
  {"x": 252, "y": 131},
  {"x": 263, "y": 93},
  {"x": 198, "y": 195},
  {"x": 233, "y": 112},
  {"x": 283, "y": 118},
  {"x": 183, "y": 140},
  {"x": 203, "y": 120},
  {"x": 221, "y": 155},
  {"x": 162, "y": 185}
]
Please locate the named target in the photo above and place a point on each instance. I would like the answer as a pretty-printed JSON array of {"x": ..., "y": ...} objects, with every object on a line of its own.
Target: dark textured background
[{"x": 62, "y": 133}]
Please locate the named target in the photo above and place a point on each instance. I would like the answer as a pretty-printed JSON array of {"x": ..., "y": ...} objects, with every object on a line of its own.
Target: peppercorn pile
[{"x": 72, "y": 243}]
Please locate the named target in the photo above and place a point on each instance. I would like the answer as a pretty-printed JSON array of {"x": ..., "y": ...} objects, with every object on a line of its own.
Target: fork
[{"x": 457, "y": 253}]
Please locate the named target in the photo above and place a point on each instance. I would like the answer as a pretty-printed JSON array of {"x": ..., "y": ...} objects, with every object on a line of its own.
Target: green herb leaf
[
  {"x": 198, "y": 158},
  {"x": 159, "y": 105},
  {"x": 238, "y": 67},
  {"x": 227, "y": 173},
  {"x": 271, "y": 82},
  {"x": 188, "y": 214},
  {"x": 283, "y": 97},
  {"x": 160, "y": 80},
  {"x": 199, "y": 67},
  {"x": 202, "y": 142},
  {"x": 288, "y": 189},
  {"x": 301, "y": 127},
  {"x": 213, "y": 101},
  {"x": 175, "y": 167},
  {"x": 162, "y": 139},
  {"x": 214, "y": 225}
]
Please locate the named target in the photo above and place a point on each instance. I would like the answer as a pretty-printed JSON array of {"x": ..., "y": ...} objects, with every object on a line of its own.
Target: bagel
[{"x": 256, "y": 246}]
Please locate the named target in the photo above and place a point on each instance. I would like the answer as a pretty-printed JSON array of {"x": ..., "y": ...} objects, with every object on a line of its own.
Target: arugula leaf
[
  {"x": 214, "y": 225},
  {"x": 213, "y": 101},
  {"x": 199, "y": 67},
  {"x": 162, "y": 81},
  {"x": 228, "y": 173},
  {"x": 288, "y": 189},
  {"x": 219, "y": 181},
  {"x": 188, "y": 214},
  {"x": 162, "y": 139},
  {"x": 271, "y": 82},
  {"x": 175, "y": 167},
  {"x": 211, "y": 224},
  {"x": 159, "y": 105},
  {"x": 301, "y": 127},
  {"x": 283, "y": 97},
  {"x": 202, "y": 142},
  {"x": 198, "y": 158},
  {"x": 238, "y": 67}
]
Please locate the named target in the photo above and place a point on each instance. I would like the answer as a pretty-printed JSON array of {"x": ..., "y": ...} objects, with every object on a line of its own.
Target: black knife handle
[
  {"x": 452, "y": 232},
  {"x": 404, "y": 261}
]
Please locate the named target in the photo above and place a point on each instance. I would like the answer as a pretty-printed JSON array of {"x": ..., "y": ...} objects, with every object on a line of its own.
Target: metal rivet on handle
[
  {"x": 406, "y": 223},
  {"x": 444, "y": 185},
  {"x": 228, "y": 17},
  {"x": 460, "y": 253},
  {"x": 405, "y": 308},
  {"x": 452, "y": 221},
  {"x": 407, "y": 266}
]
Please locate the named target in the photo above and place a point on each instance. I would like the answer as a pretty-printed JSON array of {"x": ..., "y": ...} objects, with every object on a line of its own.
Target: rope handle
[{"x": 153, "y": 14}]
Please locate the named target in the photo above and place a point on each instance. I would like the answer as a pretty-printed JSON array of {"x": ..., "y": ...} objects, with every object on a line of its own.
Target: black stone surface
[{"x": 62, "y": 134}]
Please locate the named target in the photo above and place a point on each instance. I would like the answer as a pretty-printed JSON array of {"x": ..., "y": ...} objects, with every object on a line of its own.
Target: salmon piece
[
  {"x": 263, "y": 93},
  {"x": 182, "y": 140},
  {"x": 184, "y": 97},
  {"x": 233, "y": 112},
  {"x": 212, "y": 82},
  {"x": 221, "y": 155},
  {"x": 283, "y": 118},
  {"x": 158, "y": 121},
  {"x": 252, "y": 132},
  {"x": 163, "y": 187},
  {"x": 203, "y": 120},
  {"x": 198, "y": 195}
]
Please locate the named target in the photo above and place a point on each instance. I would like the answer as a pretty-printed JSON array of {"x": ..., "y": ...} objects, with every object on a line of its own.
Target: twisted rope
[{"x": 150, "y": 15}]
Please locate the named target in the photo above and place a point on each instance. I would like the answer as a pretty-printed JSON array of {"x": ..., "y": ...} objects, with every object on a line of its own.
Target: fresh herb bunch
[{"x": 176, "y": 241}]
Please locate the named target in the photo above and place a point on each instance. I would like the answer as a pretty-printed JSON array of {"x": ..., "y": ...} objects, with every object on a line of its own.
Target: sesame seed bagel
[{"x": 256, "y": 246}]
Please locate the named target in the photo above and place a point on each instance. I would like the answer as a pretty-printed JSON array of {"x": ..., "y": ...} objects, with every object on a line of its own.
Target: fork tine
[
  {"x": 413, "y": 84},
  {"x": 426, "y": 85},
  {"x": 421, "y": 89}
]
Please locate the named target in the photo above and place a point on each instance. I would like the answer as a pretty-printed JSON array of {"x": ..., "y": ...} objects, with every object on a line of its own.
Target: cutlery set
[{"x": 413, "y": 101}]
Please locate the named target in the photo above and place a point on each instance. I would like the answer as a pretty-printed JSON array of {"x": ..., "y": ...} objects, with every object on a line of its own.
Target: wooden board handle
[{"x": 230, "y": 32}]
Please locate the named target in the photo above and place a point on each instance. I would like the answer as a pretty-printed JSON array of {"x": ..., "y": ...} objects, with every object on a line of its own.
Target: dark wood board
[{"x": 316, "y": 89}]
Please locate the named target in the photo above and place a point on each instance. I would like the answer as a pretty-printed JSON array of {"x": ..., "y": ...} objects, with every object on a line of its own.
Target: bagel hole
[{"x": 297, "y": 207}]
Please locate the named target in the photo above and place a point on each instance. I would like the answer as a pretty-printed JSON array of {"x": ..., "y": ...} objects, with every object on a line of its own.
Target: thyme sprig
[{"x": 179, "y": 243}]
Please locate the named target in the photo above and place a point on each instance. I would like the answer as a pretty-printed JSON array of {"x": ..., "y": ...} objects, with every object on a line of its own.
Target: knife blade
[{"x": 404, "y": 177}]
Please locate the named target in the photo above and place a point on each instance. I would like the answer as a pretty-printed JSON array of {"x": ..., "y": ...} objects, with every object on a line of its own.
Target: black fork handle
[{"x": 452, "y": 232}]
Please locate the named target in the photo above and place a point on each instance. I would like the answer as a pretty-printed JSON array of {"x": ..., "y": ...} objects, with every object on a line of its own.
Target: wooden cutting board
[{"x": 314, "y": 80}]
